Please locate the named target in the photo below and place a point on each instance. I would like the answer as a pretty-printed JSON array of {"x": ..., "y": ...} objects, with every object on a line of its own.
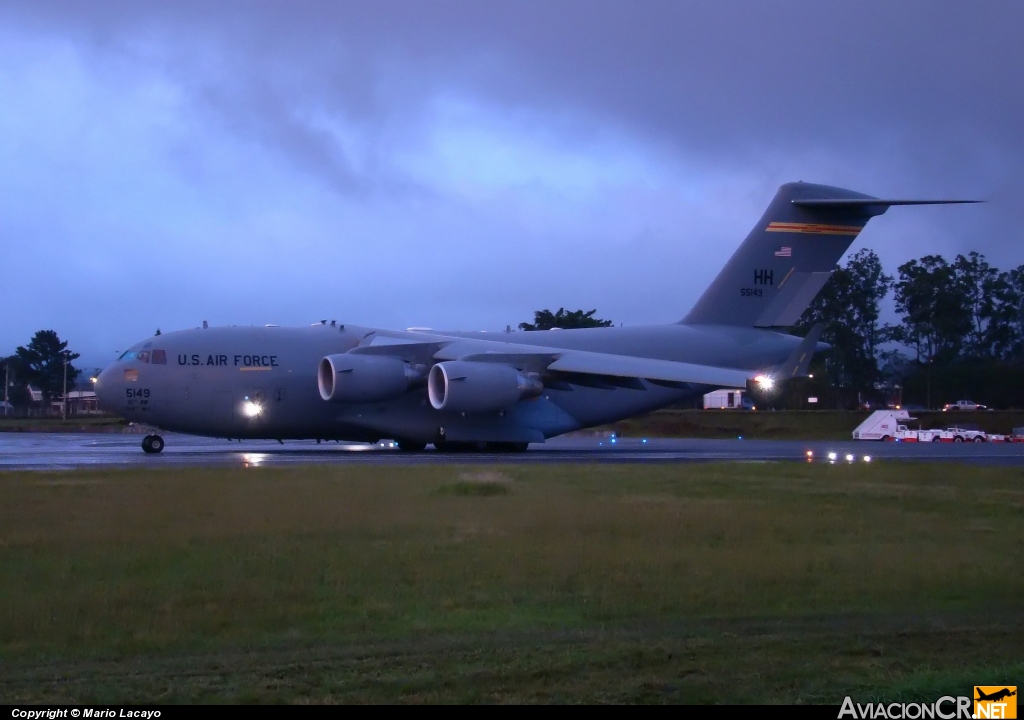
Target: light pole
[{"x": 64, "y": 402}]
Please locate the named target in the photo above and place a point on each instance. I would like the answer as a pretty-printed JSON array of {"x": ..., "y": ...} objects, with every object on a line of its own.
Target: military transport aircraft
[{"x": 498, "y": 391}]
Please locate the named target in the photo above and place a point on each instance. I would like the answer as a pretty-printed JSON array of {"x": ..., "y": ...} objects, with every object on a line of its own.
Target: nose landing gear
[{"x": 152, "y": 444}]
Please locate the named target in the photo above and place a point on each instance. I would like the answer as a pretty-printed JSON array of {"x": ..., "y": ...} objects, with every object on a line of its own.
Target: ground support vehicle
[
  {"x": 956, "y": 434},
  {"x": 889, "y": 426},
  {"x": 882, "y": 425},
  {"x": 906, "y": 435}
]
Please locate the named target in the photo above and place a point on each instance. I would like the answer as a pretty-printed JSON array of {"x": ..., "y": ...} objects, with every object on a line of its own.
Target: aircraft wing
[
  {"x": 799, "y": 361},
  {"x": 544, "y": 360}
]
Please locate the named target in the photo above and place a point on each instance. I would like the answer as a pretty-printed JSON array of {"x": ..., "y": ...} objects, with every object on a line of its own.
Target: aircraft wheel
[
  {"x": 156, "y": 443},
  {"x": 411, "y": 446},
  {"x": 146, "y": 444}
]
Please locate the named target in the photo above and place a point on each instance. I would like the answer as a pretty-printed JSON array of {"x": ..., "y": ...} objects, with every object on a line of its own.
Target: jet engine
[
  {"x": 350, "y": 378},
  {"x": 474, "y": 387}
]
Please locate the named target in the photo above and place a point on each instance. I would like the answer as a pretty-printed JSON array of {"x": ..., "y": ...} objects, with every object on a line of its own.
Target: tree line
[{"x": 960, "y": 333}]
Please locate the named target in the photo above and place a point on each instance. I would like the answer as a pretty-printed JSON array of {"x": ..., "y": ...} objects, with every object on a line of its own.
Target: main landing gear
[{"x": 152, "y": 444}]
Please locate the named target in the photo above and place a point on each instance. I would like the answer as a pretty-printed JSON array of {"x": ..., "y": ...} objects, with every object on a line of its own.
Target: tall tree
[
  {"x": 546, "y": 320},
  {"x": 42, "y": 364},
  {"x": 980, "y": 288},
  {"x": 937, "y": 316},
  {"x": 849, "y": 307},
  {"x": 1003, "y": 337}
]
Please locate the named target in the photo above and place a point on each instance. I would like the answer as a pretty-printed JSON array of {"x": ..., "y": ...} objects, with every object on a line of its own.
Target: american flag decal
[{"x": 784, "y": 252}]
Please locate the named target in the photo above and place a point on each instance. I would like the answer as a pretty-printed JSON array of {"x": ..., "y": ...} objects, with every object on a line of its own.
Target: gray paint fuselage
[{"x": 211, "y": 373}]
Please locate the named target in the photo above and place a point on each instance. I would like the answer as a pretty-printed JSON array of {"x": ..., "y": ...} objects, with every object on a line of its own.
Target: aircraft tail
[{"x": 789, "y": 255}]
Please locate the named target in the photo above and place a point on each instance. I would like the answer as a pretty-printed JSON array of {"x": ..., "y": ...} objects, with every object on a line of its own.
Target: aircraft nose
[{"x": 108, "y": 389}]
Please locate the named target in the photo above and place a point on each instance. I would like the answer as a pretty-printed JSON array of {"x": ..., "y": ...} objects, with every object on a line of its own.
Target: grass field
[{"x": 668, "y": 583}]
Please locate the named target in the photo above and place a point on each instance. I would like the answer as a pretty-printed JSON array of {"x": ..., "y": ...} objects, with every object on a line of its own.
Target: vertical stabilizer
[
  {"x": 786, "y": 259},
  {"x": 789, "y": 255}
]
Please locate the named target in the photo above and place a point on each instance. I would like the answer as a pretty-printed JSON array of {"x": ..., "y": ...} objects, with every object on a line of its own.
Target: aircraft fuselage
[{"x": 261, "y": 382}]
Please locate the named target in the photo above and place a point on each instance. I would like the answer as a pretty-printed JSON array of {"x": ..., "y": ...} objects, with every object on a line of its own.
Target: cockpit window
[{"x": 157, "y": 357}]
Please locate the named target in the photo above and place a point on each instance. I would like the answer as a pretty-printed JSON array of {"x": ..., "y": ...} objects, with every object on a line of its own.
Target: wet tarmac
[{"x": 59, "y": 451}]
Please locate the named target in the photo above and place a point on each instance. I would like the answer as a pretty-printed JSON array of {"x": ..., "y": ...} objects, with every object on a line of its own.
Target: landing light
[
  {"x": 251, "y": 409},
  {"x": 765, "y": 382}
]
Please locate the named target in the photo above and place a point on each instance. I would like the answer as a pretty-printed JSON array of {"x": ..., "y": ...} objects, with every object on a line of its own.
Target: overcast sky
[{"x": 462, "y": 164}]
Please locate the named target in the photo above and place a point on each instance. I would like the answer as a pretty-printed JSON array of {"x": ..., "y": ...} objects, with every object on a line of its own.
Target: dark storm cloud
[{"x": 465, "y": 162}]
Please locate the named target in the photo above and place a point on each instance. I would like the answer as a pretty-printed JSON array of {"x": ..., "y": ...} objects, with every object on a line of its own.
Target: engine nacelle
[
  {"x": 350, "y": 378},
  {"x": 474, "y": 387}
]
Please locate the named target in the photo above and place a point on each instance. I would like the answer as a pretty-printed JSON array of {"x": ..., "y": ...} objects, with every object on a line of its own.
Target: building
[
  {"x": 727, "y": 400},
  {"x": 80, "y": 402}
]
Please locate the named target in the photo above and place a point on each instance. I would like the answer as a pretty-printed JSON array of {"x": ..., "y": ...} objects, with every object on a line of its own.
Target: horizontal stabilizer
[
  {"x": 869, "y": 206},
  {"x": 859, "y": 202}
]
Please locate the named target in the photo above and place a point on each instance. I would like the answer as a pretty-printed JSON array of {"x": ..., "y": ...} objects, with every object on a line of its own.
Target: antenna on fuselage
[{"x": 206, "y": 325}]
